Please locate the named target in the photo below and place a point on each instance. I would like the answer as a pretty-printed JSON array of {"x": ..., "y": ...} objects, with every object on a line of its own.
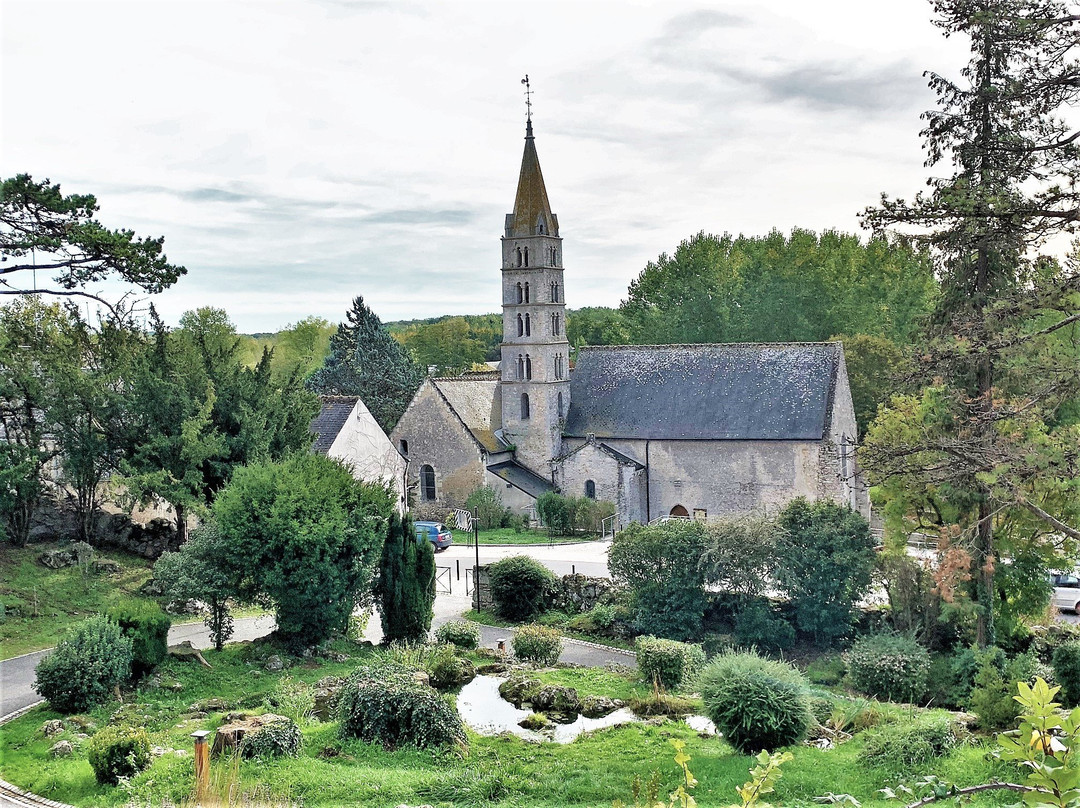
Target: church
[{"x": 697, "y": 431}]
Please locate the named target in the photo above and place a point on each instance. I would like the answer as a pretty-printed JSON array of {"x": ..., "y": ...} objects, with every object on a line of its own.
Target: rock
[
  {"x": 184, "y": 607},
  {"x": 105, "y": 566},
  {"x": 157, "y": 751},
  {"x": 57, "y": 559},
  {"x": 52, "y": 728},
  {"x": 186, "y": 650},
  {"x": 552, "y": 699},
  {"x": 327, "y": 691},
  {"x": 599, "y": 706},
  {"x": 82, "y": 736},
  {"x": 233, "y": 717},
  {"x": 62, "y": 749},
  {"x": 520, "y": 690},
  {"x": 534, "y": 721},
  {"x": 492, "y": 668},
  {"x": 334, "y": 656},
  {"x": 82, "y": 722},
  {"x": 422, "y": 678},
  {"x": 228, "y": 736},
  {"x": 274, "y": 663}
]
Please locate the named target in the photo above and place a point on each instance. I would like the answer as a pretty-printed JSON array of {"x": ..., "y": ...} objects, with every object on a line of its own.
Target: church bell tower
[{"x": 535, "y": 368}]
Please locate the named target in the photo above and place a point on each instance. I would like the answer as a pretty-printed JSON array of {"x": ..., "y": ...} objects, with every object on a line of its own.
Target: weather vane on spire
[{"x": 528, "y": 98}]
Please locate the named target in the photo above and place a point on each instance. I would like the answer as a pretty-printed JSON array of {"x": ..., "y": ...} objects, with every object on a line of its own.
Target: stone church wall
[
  {"x": 437, "y": 438},
  {"x": 615, "y": 482}
]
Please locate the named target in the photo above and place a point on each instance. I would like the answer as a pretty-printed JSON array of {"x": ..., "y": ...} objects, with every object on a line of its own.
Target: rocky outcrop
[
  {"x": 228, "y": 737},
  {"x": 579, "y": 593}
]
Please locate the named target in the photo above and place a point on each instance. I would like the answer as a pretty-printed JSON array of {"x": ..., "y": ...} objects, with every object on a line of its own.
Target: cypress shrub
[
  {"x": 148, "y": 627},
  {"x": 406, "y": 586}
]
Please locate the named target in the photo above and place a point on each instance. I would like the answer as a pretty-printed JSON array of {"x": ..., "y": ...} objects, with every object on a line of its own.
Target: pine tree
[
  {"x": 366, "y": 361},
  {"x": 406, "y": 584}
]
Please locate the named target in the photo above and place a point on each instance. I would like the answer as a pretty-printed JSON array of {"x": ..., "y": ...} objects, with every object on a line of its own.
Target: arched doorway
[{"x": 680, "y": 512}]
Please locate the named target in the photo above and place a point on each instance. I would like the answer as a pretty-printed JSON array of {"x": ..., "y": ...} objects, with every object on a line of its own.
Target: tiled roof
[
  {"x": 520, "y": 477},
  {"x": 331, "y": 418},
  {"x": 704, "y": 392},
  {"x": 474, "y": 401}
]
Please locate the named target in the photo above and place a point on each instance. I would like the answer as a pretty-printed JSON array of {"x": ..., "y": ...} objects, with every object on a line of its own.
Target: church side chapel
[{"x": 694, "y": 431}]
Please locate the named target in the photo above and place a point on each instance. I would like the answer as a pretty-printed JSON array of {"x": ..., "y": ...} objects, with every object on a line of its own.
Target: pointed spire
[{"x": 532, "y": 214}]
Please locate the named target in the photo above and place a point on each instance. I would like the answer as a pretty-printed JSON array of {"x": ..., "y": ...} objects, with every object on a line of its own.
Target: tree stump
[{"x": 186, "y": 650}]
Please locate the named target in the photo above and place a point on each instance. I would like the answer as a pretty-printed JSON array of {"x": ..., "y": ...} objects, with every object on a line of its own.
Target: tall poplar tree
[{"x": 991, "y": 436}]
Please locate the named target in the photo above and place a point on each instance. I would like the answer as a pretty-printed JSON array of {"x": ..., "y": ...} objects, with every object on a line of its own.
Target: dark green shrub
[
  {"x": 385, "y": 704},
  {"x": 274, "y": 739},
  {"x": 447, "y": 670},
  {"x": 539, "y": 644},
  {"x": 91, "y": 660},
  {"x": 460, "y": 633},
  {"x": 556, "y": 512},
  {"x": 406, "y": 586},
  {"x": 889, "y": 666},
  {"x": 826, "y": 557},
  {"x": 487, "y": 505},
  {"x": 757, "y": 625},
  {"x": 756, "y": 703},
  {"x": 991, "y": 697},
  {"x": 118, "y": 751},
  {"x": 521, "y": 587},
  {"x": 902, "y": 747},
  {"x": 1067, "y": 673},
  {"x": 148, "y": 627},
  {"x": 659, "y": 564},
  {"x": 668, "y": 663}
]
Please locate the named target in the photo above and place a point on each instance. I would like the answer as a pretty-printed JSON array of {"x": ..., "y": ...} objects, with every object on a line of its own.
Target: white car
[{"x": 1066, "y": 591}]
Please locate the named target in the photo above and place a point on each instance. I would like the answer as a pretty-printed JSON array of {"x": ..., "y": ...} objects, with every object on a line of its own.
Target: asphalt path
[{"x": 590, "y": 558}]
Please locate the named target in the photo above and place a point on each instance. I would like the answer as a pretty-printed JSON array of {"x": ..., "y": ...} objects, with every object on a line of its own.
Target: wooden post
[{"x": 202, "y": 765}]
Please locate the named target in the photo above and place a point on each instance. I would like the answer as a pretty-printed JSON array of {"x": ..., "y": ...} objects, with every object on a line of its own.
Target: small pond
[{"x": 486, "y": 712}]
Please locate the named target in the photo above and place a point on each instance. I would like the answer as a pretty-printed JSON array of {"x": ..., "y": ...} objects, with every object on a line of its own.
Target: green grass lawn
[
  {"x": 506, "y": 535},
  {"x": 40, "y": 604},
  {"x": 486, "y": 617},
  {"x": 498, "y": 771}
]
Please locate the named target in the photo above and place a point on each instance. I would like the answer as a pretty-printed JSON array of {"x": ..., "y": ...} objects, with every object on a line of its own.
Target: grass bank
[
  {"x": 40, "y": 604},
  {"x": 565, "y": 623},
  {"x": 506, "y": 535},
  {"x": 498, "y": 771}
]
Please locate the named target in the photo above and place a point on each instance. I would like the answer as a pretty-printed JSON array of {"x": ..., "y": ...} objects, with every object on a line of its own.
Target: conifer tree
[
  {"x": 406, "y": 584},
  {"x": 366, "y": 361}
]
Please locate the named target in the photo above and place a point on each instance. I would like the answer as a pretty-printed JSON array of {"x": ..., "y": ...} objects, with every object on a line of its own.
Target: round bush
[
  {"x": 667, "y": 662},
  {"x": 520, "y": 587},
  {"x": 459, "y": 632},
  {"x": 279, "y": 738},
  {"x": 539, "y": 644},
  {"x": 889, "y": 666},
  {"x": 386, "y": 704},
  {"x": 91, "y": 660},
  {"x": 756, "y": 703},
  {"x": 118, "y": 751}
]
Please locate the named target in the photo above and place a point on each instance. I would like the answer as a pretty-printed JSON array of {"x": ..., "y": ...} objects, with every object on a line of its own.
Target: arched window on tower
[
  {"x": 560, "y": 410},
  {"x": 555, "y": 324},
  {"x": 427, "y": 483},
  {"x": 590, "y": 489},
  {"x": 521, "y": 366},
  {"x": 554, "y": 292},
  {"x": 558, "y": 366},
  {"x": 528, "y": 326},
  {"x": 520, "y": 294},
  {"x": 524, "y": 406},
  {"x": 554, "y": 262},
  {"x": 526, "y": 263},
  {"x": 528, "y": 366},
  {"x": 526, "y": 287},
  {"x": 521, "y": 326},
  {"x": 519, "y": 256}
]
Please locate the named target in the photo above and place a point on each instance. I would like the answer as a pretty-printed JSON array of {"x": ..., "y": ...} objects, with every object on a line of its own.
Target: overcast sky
[{"x": 296, "y": 154}]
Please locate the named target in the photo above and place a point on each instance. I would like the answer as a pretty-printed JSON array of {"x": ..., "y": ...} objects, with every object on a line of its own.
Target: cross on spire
[{"x": 528, "y": 100}]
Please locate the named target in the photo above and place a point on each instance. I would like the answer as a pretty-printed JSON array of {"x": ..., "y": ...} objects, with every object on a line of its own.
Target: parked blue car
[{"x": 436, "y": 532}]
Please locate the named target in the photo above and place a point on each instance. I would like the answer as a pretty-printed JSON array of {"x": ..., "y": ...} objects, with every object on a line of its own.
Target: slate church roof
[
  {"x": 704, "y": 392},
  {"x": 331, "y": 418}
]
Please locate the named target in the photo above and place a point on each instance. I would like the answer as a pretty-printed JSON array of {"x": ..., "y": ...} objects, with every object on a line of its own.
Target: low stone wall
[
  {"x": 55, "y": 520},
  {"x": 579, "y": 593}
]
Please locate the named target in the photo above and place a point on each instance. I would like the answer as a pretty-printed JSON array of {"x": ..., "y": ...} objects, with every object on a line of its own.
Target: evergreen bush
[
  {"x": 556, "y": 512},
  {"x": 889, "y": 666},
  {"x": 757, "y": 625},
  {"x": 668, "y": 663},
  {"x": 521, "y": 587},
  {"x": 538, "y": 644},
  {"x": 280, "y": 738},
  {"x": 460, "y": 633},
  {"x": 991, "y": 697},
  {"x": 92, "y": 659},
  {"x": 756, "y": 703},
  {"x": 406, "y": 584},
  {"x": 1067, "y": 673},
  {"x": 148, "y": 627},
  {"x": 487, "y": 504},
  {"x": 118, "y": 751},
  {"x": 384, "y": 703}
]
